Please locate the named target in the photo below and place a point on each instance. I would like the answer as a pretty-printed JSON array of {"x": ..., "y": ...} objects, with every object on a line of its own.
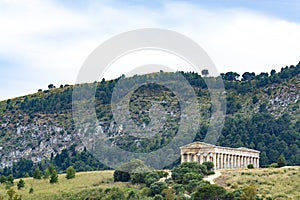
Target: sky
[{"x": 47, "y": 41}]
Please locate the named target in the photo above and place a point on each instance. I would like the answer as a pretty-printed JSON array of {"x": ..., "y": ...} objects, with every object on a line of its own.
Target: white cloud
[{"x": 51, "y": 41}]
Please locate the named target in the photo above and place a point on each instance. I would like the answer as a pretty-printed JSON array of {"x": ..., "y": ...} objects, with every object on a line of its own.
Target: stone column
[
  {"x": 201, "y": 158},
  {"x": 242, "y": 163},
  {"x": 182, "y": 158},
  {"x": 220, "y": 160},
  {"x": 191, "y": 157},
  {"x": 234, "y": 161},
  {"x": 215, "y": 160}
]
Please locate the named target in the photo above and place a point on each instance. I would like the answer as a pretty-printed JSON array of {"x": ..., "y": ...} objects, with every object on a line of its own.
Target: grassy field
[
  {"x": 46, "y": 191},
  {"x": 277, "y": 183}
]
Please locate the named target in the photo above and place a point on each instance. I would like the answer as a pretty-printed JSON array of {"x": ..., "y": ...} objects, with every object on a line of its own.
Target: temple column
[
  {"x": 227, "y": 161},
  {"x": 242, "y": 161},
  {"x": 215, "y": 160},
  {"x": 234, "y": 161},
  {"x": 195, "y": 158},
  {"x": 220, "y": 160},
  {"x": 201, "y": 158}
]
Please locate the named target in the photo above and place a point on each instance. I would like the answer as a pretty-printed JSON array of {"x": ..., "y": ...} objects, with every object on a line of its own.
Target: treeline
[{"x": 81, "y": 161}]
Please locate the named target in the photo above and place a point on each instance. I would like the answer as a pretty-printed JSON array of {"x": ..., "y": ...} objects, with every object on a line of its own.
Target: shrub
[
  {"x": 281, "y": 161},
  {"x": 121, "y": 176},
  {"x": 21, "y": 184},
  {"x": 209, "y": 165},
  {"x": 158, "y": 187},
  {"x": 37, "y": 173},
  {"x": 54, "y": 177},
  {"x": 158, "y": 197},
  {"x": 250, "y": 166},
  {"x": 210, "y": 192},
  {"x": 2, "y": 179},
  {"x": 151, "y": 178},
  {"x": 70, "y": 173},
  {"x": 191, "y": 176},
  {"x": 179, "y": 171},
  {"x": 31, "y": 190}
]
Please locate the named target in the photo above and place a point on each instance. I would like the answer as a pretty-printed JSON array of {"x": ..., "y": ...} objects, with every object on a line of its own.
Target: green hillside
[{"x": 262, "y": 112}]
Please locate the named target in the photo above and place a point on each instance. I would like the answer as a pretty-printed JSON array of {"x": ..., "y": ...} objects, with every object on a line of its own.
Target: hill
[{"x": 262, "y": 112}]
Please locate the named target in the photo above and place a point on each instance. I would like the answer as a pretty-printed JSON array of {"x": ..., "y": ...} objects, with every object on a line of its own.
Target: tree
[
  {"x": 21, "y": 184},
  {"x": 247, "y": 76},
  {"x": 209, "y": 165},
  {"x": 204, "y": 72},
  {"x": 151, "y": 178},
  {"x": 158, "y": 187},
  {"x": 10, "y": 179},
  {"x": 250, "y": 166},
  {"x": 37, "y": 173},
  {"x": 51, "y": 86},
  {"x": 70, "y": 172},
  {"x": 281, "y": 161},
  {"x": 2, "y": 179},
  {"x": 121, "y": 176},
  {"x": 53, "y": 177},
  {"x": 210, "y": 192},
  {"x": 46, "y": 173},
  {"x": 179, "y": 171},
  {"x": 26, "y": 175}
]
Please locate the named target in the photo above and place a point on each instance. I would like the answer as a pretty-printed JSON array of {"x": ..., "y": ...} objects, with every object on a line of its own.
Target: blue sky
[{"x": 43, "y": 42}]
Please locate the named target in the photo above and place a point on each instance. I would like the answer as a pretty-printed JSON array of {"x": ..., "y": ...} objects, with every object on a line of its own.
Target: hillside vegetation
[
  {"x": 262, "y": 112},
  {"x": 276, "y": 183}
]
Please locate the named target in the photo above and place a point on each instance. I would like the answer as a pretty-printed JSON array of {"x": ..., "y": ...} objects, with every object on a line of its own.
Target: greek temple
[{"x": 222, "y": 157}]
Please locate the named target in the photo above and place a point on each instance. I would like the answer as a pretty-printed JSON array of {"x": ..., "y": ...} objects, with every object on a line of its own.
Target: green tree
[
  {"x": 70, "y": 172},
  {"x": 158, "y": 187},
  {"x": 21, "y": 184},
  {"x": 179, "y": 171},
  {"x": 151, "y": 178},
  {"x": 209, "y": 165},
  {"x": 204, "y": 72},
  {"x": 2, "y": 179},
  {"x": 26, "y": 175},
  {"x": 46, "y": 173},
  {"x": 37, "y": 173},
  {"x": 10, "y": 179},
  {"x": 250, "y": 166},
  {"x": 53, "y": 177},
  {"x": 31, "y": 190},
  {"x": 210, "y": 192},
  {"x": 121, "y": 176},
  {"x": 281, "y": 161}
]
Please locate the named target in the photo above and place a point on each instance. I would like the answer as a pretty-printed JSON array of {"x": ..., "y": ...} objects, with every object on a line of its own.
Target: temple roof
[{"x": 206, "y": 145}]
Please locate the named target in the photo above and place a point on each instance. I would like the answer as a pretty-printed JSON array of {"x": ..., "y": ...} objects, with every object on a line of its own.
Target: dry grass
[
  {"x": 46, "y": 191},
  {"x": 278, "y": 183}
]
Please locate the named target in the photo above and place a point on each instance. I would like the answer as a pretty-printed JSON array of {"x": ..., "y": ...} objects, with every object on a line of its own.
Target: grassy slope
[
  {"x": 46, "y": 191},
  {"x": 278, "y": 183}
]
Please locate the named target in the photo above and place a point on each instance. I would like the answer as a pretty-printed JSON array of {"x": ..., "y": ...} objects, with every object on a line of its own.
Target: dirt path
[{"x": 211, "y": 178}]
